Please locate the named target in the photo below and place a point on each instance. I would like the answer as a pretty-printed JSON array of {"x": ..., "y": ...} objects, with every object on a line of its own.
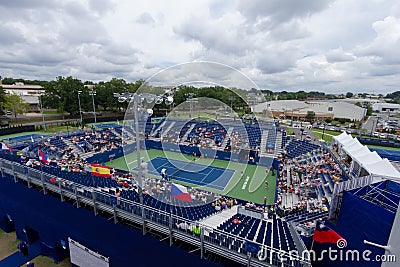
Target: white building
[
  {"x": 30, "y": 93},
  {"x": 386, "y": 107},
  {"x": 322, "y": 109}
]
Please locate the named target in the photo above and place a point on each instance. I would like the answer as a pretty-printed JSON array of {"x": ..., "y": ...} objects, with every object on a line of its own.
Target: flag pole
[
  {"x": 171, "y": 221},
  {"x": 312, "y": 243}
]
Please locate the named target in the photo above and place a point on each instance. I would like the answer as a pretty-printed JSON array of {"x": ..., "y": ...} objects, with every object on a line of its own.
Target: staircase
[
  {"x": 79, "y": 151},
  {"x": 263, "y": 144},
  {"x": 158, "y": 128},
  {"x": 215, "y": 220},
  {"x": 278, "y": 146},
  {"x": 184, "y": 138},
  {"x": 74, "y": 148},
  {"x": 168, "y": 129},
  {"x": 126, "y": 133},
  {"x": 228, "y": 136}
]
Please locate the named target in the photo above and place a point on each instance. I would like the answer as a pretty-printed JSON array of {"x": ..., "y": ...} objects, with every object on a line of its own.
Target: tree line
[{"x": 62, "y": 94}]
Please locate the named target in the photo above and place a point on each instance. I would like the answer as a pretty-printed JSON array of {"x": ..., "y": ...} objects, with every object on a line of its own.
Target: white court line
[{"x": 134, "y": 161}]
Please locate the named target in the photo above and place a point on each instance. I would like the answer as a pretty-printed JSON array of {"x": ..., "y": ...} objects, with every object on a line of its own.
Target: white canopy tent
[
  {"x": 352, "y": 147},
  {"x": 368, "y": 158},
  {"x": 342, "y": 139},
  {"x": 383, "y": 168},
  {"x": 364, "y": 150},
  {"x": 361, "y": 160}
]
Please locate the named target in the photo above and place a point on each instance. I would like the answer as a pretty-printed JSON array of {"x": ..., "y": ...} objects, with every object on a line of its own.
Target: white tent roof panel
[{"x": 383, "y": 167}]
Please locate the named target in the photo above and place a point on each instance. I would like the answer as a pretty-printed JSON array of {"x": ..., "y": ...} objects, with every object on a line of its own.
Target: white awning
[
  {"x": 352, "y": 146},
  {"x": 368, "y": 158},
  {"x": 342, "y": 138},
  {"x": 383, "y": 167},
  {"x": 364, "y": 150}
]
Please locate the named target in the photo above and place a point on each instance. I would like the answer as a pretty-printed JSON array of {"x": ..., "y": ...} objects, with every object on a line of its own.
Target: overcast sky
[{"x": 331, "y": 46}]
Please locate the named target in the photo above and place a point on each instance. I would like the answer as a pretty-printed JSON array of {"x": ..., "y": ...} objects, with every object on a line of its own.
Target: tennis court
[{"x": 191, "y": 172}]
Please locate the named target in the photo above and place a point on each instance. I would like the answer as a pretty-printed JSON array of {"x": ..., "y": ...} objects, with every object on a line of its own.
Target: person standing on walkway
[{"x": 23, "y": 248}]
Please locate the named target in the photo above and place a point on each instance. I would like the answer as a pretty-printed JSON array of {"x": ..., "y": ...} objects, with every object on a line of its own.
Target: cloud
[
  {"x": 146, "y": 18},
  {"x": 278, "y": 11},
  {"x": 338, "y": 55},
  {"x": 102, "y": 6},
  {"x": 10, "y": 34},
  {"x": 386, "y": 43}
]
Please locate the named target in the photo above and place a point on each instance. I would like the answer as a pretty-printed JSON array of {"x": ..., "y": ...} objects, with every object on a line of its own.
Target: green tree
[
  {"x": 15, "y": 103},
  {"x": 62, "y": 94},
  {"x": 310, "y": 115},
  {"x": 349, "y": 95},
  {"x": 369, "y": 110},
  {"x": 105, "y": 93},
  {"x": 2, "y": 99}
]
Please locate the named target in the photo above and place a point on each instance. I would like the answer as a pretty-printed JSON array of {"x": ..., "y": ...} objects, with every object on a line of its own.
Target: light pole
[
  {"x": 362, "y": 121},
  {"x": 190, "y": 98},
  {"x": 93, "y": 93},
  {"x": 232, "y": 98},
  {"x": 137, "y": 99},
  {"x": 80, "y": 110},
  {"x": 323, "y": 131},
  {"x": 41, "y": 111}
]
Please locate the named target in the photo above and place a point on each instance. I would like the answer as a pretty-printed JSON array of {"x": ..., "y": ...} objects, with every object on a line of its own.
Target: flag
[
  {"x": 99, "y": 170},
  {"x": 4, "y": 146},
  {"x": 324, "y": 234},
  {"x": 43, "y": 158},
  {"x": 180, "y": 192}
]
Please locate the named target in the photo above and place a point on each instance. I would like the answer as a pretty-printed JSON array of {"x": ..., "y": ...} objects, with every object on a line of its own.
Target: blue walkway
[{"x": 18, "y": 259}]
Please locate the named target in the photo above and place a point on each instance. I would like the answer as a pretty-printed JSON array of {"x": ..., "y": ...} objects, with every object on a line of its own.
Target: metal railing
[{"x": 204, "y": 238}]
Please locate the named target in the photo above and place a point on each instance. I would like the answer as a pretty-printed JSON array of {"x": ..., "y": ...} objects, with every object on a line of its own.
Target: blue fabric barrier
[
  {"x": 359, "y": 220},
  {"x": 55, "y": 221}
]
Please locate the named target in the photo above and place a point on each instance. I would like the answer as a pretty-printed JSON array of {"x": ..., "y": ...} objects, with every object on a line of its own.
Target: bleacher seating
[
  {"x": 273, "y": 233},
  {"x": 271, "y": 140},
  {"x": 284, "y": 139},
  {"x": 296, "y": 148}
]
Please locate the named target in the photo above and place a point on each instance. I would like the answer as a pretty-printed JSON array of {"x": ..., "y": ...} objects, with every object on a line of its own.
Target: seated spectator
[{"x": 236, "y": 221}]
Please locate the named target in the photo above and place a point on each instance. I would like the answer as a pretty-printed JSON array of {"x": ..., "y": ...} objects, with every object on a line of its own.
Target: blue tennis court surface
[{"x": 191, "y": 172}]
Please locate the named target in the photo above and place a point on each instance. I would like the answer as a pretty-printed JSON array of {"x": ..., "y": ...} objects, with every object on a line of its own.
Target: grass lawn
[
  {"x": 42, "y": 261},
  {"x": 289, "y": 131},
  {"x": 8, "y": 244},
  {"x": 52, "y": 112},
  {"x": 60, "y": 128},
  {"x": 254, "y": 190},
  {"x": 327, "y": 134}
]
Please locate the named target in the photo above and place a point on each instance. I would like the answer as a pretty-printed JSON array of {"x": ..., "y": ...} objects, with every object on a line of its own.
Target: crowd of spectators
[
  {"x": 210, "y": 134},
  {"x": 223, "y": 203},
  {"x": 301, "y": 175},
  {"x": 98, "y": 141},
  {"x": 161, "y": 189}
]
